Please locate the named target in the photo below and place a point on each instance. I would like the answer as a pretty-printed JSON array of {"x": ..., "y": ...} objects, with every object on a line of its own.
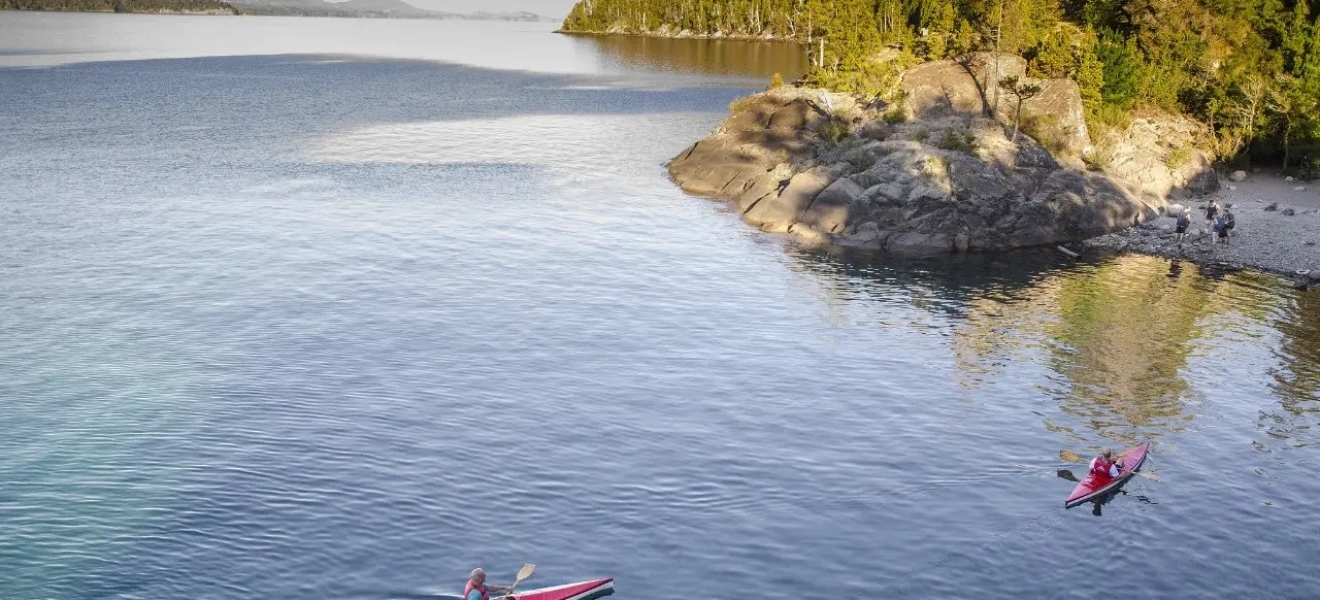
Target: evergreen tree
[{"x": 1247, "y": 68}]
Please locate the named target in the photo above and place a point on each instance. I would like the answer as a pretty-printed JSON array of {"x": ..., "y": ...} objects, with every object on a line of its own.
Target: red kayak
[
  {"x": 586, "y": 590},
  {"x": 1092, "y": 487}
]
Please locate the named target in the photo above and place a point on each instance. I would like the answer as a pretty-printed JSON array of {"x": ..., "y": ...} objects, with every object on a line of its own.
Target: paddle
[
  {"x": 1074, "y": 458},
  {"x": 523, "y": 573}
]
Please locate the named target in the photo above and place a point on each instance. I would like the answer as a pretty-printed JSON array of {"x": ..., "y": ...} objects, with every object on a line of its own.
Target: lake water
[{"x": 336, "y": 309}]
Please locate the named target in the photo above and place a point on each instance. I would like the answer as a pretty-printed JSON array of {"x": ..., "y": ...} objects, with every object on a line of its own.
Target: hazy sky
[{"x": 549, "y": 8}]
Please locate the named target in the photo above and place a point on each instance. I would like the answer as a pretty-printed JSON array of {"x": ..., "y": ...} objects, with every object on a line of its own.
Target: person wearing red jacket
[
  {"x": 477, "y": 589},
  {"x": 1103, "y": 467}
]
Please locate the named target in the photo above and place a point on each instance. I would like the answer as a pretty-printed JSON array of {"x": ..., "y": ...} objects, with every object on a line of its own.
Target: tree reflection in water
[
  {"x": 1116, "y": 338},
  {"x": 743, "y": 58}
]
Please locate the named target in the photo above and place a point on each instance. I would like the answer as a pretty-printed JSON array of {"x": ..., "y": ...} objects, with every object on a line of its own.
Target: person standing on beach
[
  {"x": 1226, "y": 222},
  {"x": 1211, "y": 211},
  {"x": 1184, "y": 221}
]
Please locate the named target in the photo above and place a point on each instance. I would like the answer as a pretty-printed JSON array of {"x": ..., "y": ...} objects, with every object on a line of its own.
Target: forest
[
  {"x": 1248, "y": 69},
  {"x": 124, "y": 6}
]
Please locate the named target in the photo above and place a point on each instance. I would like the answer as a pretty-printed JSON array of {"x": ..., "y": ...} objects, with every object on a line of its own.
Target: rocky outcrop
[
  {"x": 764, "y": 131},
  {"x": 828, "y": 170},
  {"x": 939, "y": 173},
  {"x": 968, "y": 86},
  {"x": 1158, "y": 154}
]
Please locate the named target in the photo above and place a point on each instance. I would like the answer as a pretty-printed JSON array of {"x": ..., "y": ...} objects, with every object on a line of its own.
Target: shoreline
[
  {"x": 1277, "y": 231},
  {"x": 186, "y": 13},
  {"x": 685, "y": 35}
]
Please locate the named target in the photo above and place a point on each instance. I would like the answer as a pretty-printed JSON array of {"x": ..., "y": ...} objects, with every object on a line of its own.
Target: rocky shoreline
[
  {"x": 1278, "y": 231},
  {"x": 931, "y": 172}
]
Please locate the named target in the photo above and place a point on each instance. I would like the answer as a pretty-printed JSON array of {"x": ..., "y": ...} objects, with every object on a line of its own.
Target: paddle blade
[{"x": 524, "y": 573}]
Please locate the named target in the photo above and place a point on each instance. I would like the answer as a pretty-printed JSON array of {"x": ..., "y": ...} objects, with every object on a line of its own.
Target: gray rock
[
  {"x": 1232, "y": 188},
  {"x": 833, "y": 208},
  {"x": 913, "y": 243},
  {"x": 1289, "y": 178},
  {"x": 913, "y": 198},
  {"x": 1272, "y": 206},
  {"x": 763, "y": 185},
  {"x": 808, "y": 233},
  {"x": 1289, "y": 212},
  {"x": 777, "y": 211},
  {"x": 943, "y": 88},
  {"x": 1237, "y": 176}
]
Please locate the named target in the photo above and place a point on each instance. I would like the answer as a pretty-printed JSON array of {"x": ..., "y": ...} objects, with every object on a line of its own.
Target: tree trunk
[
  {"x": 1017, "y": 119},
  {"x": 1287, "y": 133},
  {"x": 999, "y": 34}
]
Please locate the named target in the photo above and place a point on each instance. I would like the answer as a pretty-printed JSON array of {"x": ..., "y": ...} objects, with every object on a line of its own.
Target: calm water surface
[{"x": 317, "y": 308}]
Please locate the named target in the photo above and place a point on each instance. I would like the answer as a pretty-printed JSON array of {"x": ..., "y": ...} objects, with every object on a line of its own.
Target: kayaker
[
  {"x": 476, "y": 586},
  {"x": 1103, "y": 467}
]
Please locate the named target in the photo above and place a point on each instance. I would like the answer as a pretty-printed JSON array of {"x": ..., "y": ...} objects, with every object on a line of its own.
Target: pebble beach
[{"x": 1278, "y": 228}]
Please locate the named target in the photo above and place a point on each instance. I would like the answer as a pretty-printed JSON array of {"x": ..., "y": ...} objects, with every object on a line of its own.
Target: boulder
[
  {"x": 1238, "y": 176},
  {"x": 833, "y": 207},
  {"x": 1157, "y": 154},
  {"x": 779, "y": 210},
  {"x": 967, "y": 86},
  {"x": 917, "y": 244},
  {"x": 797, "y": 115},
  {"x": 765, "y": 130}
]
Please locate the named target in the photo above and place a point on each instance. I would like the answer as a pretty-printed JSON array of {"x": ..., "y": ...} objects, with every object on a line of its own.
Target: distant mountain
[
  {"x": 200, "y": 7},
  {"x": 370, "y": 9}
]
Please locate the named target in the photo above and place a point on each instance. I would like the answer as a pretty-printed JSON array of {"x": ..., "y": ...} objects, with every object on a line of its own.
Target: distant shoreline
[
  {"x": 241, "y": 10},
  {"x": 219, "y": 11}
]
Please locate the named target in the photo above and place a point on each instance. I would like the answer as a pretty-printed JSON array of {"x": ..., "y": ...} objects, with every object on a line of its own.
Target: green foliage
[
  {"x": 1243, "y": 67},
  {"x": 895, "y": 115},
  {"x": 1020, "y": 91},
  {"x": 862, "y": 161},
  {"x": 1178, "y": 157},
  {"x": 777, "y": 81},
  {"x": 1044, "y": 129},
  {"x": 1099, "y": 159},
  {"x": 957, "y": 143},
  {"x": 1121, "y": 67},
  {"x": 834, "y": 129}
]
